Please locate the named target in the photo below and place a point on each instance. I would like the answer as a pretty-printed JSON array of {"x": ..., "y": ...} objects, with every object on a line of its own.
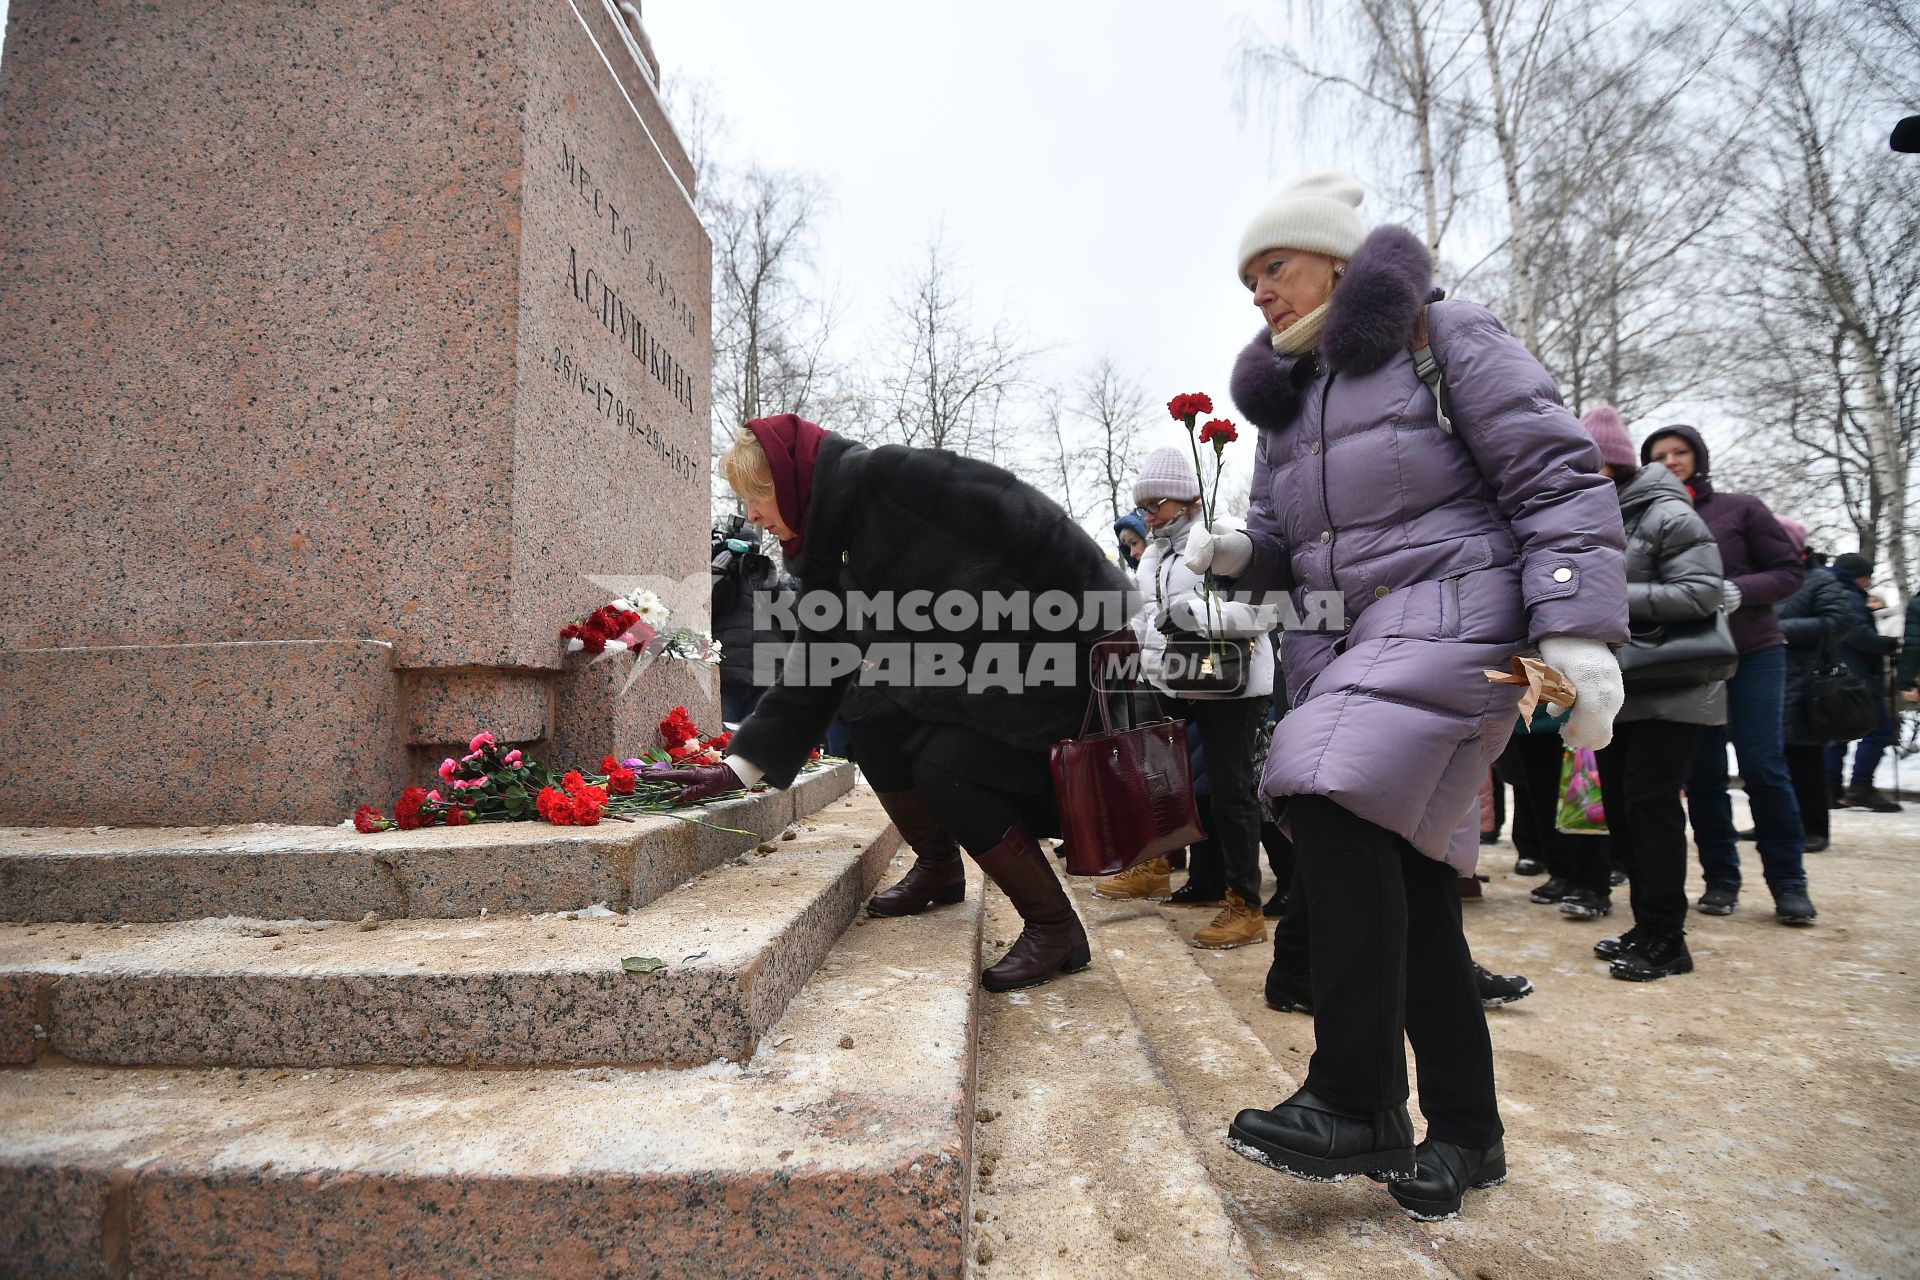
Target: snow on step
[
  {"x": 841, "y": 1148},
  {"x": 336, "y": 873},
  {"x": 495, "y": 991},
  {"x": 1084, "y": 1166}
]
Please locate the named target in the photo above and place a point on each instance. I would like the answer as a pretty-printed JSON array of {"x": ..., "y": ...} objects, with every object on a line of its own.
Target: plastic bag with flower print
[{"x": 1580, "y": 811}]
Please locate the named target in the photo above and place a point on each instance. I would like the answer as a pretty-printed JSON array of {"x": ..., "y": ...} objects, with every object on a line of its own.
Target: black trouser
[
  {"x": 1280, "y": 859},
  {"x": 1807, "y": 766},
  {"x": 900, "y": 754},
  {"x": 1205, "y": 872},
  {"x": 1390, "y": 965},
  {"x": 1531, "y": 764},
  {"x": 1226, "y": 727},
  {"x": 1292, "y": 970},
  {"x": 1641, "y": 773}
]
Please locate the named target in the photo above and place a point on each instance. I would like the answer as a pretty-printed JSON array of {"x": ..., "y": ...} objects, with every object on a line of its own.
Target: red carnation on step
[
  {"x": 406, "y": 810},
  {"x": 619, "y": 777},
  {"x": 367, "y": 819}
]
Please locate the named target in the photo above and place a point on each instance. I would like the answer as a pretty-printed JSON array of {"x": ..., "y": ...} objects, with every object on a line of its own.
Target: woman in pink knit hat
[{"x": 1673, "y": 578}]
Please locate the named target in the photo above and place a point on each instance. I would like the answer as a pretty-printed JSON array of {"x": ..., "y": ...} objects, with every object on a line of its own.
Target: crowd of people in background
[{"x": 1414, "y": 462}]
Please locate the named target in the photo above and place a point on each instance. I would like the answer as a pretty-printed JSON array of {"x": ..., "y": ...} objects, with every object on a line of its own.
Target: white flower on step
[
  {"x": 652, "y": 610},
  {"x": 575, "y": 645},
  {"x": 616, "y": 646},
  {"x": 620, "y": 604}
]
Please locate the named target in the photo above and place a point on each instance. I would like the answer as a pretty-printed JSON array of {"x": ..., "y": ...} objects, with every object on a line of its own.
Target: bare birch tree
[
  {"x": 1402, "y": 60},
  {"x": 1830, "y": 266},
  {"x": 947, "y": 381},
  {"x": 1114, "y": 410}
]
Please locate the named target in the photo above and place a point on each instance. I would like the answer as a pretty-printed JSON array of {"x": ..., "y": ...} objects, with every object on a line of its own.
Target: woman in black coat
[
  {"x": 951, "y": 702},
  {"x": 1814, "y": 620}
]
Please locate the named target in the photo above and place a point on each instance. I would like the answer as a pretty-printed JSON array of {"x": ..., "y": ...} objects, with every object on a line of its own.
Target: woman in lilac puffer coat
[{"x": 1454, "y": 540}]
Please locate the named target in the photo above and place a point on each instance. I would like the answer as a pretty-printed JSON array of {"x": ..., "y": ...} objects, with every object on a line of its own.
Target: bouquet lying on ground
[{"x": 497, "y": 783}]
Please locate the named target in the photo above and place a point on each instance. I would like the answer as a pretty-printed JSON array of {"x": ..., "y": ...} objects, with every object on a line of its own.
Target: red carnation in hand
[
  {"x": 406, "y": 810},
  {"x": 1220, "y": 432},
  {"x": 367, "y": 819},
  {"x": 1186, "y": 407}
]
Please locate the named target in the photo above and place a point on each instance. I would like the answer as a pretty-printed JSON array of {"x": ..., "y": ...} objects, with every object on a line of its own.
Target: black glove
[{"x": 702, "y": 782}]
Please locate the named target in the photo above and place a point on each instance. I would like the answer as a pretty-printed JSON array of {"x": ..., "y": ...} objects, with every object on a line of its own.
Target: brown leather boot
[
  {"x": 1051, "y": 940},
  {"x": 937, "y": 877}
]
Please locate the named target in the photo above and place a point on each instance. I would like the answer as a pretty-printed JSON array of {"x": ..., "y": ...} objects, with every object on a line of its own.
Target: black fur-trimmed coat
[{"x": 901, "y": 520}]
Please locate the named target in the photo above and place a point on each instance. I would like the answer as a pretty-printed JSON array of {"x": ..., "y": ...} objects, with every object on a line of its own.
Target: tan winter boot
[
  {"x": 1150, "y": 879},
  {"x": 1237, "y": 925}
]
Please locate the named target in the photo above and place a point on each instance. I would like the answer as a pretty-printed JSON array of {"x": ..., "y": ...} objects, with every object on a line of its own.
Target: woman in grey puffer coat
[
  {"x": 1449, "y": 544},
  {"x": 1673, "y": 576}
]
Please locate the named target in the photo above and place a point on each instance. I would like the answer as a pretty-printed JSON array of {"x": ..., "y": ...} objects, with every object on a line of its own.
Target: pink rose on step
[
  {"x": 481, "y": 739},
  {"x": 447, "y": 767},
  {"x": 513, "y": 757}
]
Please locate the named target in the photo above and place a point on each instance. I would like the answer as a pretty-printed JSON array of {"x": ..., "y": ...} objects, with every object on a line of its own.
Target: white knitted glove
[
  {"x": 1225, "y": 551},
  {"x": 1589, "y": 665},
  {"x": 1729, "y": 595}
]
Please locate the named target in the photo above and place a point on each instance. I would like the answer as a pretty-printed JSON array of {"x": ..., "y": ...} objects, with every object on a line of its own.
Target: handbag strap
[
  {"x": 1098, "y": 699},
  {"x": 1427, "y": 366}
]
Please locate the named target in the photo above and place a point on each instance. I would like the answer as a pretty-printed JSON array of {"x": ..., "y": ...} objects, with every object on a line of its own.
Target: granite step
[
  {"x": 336, "y": 873},
  {"x": 1083, "y": 1163},
  {"x": 1218, "y": 1065},
  {"x": 520, "y": 990},
  {"x": 841, "y": 1148}
]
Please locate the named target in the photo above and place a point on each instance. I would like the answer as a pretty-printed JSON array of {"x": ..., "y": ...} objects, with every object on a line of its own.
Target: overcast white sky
[{"x": 1084, "y": 162}]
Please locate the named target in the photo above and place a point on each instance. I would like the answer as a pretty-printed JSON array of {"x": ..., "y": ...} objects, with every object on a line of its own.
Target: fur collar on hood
[{"x": 1373, "y": 315}]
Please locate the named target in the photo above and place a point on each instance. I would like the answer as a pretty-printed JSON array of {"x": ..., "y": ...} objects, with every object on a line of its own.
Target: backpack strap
[{"x": 1427, "y": 365}]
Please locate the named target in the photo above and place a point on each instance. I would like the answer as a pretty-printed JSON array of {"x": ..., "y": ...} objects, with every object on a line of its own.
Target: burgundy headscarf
[{"x": 791, "y": 444}]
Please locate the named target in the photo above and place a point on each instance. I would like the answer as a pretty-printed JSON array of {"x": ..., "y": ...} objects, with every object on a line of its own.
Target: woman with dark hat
[
  {"x": 1762, "y": 568},
  {"x": 1814, "y": 620},
  {"x": 1416, "y": 467},
  {"x": 1673, "y": 578},
  {"x": 897, "y": 551}
]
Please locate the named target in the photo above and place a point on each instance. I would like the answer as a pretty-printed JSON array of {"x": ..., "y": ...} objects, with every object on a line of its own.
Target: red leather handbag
[{"x": 1125, "y": 795}]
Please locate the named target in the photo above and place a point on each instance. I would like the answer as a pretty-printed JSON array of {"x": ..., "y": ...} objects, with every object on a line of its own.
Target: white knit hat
[
  {"x": 1315, "y": 212},
  {"x": 1167, "y": 473}
]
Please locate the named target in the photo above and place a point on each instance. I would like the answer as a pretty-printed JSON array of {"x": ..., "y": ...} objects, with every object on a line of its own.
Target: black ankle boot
[
  {"x": 1193, "y": 895},
  {"x": 1652, "y": 956},
  {"x": 1320, "y": 1142},
  {"x": 1287, "y": 993},
  {"x": 1446, "y": 1173}
]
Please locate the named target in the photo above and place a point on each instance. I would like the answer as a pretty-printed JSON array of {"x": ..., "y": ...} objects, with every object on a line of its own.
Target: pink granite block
[
  {"x": 447, "y": 708},
  {"x": 423, "y": 363},
  {"x": 810, "y": 1159},
  {"x": 903, "y": 1222},
  {"x": 522, "y": 990},
  {"x": 604, "y": 708},
  {"x": 24, "y": 1007},
  {"x": 197, "y": 733},
  {"x": 63, "y": 1221},
  {"x": 814, "y": 791},
  {"x": 282, "y": 873}
]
